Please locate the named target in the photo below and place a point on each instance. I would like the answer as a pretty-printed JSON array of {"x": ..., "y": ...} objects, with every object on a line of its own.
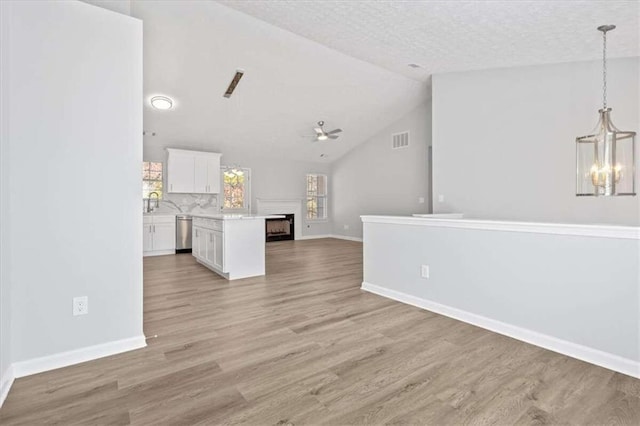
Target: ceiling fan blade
[
  {"x": 334, "y": 131},
  {"x": 332, "y": 137}
]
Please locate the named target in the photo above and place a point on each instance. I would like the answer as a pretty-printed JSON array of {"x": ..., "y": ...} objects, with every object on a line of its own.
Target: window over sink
[{"x": 151, "y": 179}]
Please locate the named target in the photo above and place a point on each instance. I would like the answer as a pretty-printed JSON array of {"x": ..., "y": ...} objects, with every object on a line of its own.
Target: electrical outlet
[
  {"x": 420, "y": 200},
  {"x": 80, "y": 305},
  {"x": 424, "y": 272},
  {"x": 346, "y": 227},
  {"x": 441, "y": 198}
]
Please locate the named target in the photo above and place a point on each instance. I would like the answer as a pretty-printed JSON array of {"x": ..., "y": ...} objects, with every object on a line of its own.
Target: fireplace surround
[{"x": 283, "y": 207}]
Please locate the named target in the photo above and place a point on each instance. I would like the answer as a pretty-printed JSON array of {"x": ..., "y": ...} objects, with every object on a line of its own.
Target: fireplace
[{"x": 280, "y": 229}]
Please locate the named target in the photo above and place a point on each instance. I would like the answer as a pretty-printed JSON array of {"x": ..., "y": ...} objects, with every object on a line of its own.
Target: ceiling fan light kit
[{"x": 322, "y": 135}]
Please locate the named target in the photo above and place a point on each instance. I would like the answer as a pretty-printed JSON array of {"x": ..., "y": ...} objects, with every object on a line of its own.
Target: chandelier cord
[{"x": 604, "y": 70}]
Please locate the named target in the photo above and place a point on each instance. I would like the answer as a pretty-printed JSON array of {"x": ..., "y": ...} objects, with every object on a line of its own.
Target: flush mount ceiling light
[
  {"x": 605, "y": 158},
  {"x": 161, "y": 102}
]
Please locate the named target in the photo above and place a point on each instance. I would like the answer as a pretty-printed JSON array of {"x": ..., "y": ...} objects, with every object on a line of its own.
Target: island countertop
[{"x": 237, "y": 216}]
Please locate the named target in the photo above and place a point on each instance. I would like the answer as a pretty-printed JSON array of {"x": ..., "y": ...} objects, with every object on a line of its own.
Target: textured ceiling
[
  {"x": 191, "y": 52},
  {"x": 445, "y": 36}
]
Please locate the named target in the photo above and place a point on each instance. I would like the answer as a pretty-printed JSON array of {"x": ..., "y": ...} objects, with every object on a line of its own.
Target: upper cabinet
[{"x": 194, "y": 172}]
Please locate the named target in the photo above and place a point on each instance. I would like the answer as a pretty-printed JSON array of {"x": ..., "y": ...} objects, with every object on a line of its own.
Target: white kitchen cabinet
[
  {"x": 180, "y": 172},
  {"x": 164, "y": 236},
  {"x": 211, "y": 250},
  {"x": 147, "y": 238},
  {"x": 218, "y": 250},
  {"x": 231, "y": 245},
  {"x": 213, "y": 174},
  {"x": 193, "y": 172},
  {"x": 195, "y": 242},
  {"x": 208, "y": 246},
  {"x": 159, "y": 235}
]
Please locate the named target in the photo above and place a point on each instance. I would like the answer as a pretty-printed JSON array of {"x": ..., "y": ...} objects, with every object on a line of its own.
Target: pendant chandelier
[{"x": 605, "y": 158}]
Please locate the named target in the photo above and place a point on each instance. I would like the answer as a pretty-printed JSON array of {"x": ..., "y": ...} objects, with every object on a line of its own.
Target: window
[
  {"x": 316, "y": 197},
  {"x": 151, "y": 179},
  {"x": 237, "y": 189}
]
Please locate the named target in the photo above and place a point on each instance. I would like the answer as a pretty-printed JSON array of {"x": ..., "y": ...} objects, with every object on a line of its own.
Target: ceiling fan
[{"x": 322, "y": 135}]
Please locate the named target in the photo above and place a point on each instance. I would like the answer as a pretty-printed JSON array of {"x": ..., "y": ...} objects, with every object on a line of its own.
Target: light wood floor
[{"x": 305, "y": 345}]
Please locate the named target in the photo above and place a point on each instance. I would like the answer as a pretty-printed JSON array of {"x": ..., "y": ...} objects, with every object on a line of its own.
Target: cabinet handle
[
  {"x": 171, "y": 186},
  {"x": 149, "y": 228},
  {"x": 154, "y": 229}
]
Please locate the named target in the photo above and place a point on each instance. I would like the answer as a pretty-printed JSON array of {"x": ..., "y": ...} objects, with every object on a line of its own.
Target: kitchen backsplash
[{"x": 187, "y": 203}]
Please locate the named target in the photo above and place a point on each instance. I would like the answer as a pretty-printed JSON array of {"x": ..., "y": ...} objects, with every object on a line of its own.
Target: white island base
[{"x": 232, "y": 246}]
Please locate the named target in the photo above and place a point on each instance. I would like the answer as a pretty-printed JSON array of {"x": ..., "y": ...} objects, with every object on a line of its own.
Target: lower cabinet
[
  {"x": 218, "y": 249},
  {"x": 231, "y": 247},
  {"x": 211, "y": 249},
  {"x": 159, "y": 235},
  {"x": 208, "y": 243}
]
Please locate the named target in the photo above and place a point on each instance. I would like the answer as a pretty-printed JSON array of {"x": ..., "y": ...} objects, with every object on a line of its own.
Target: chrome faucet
[{"x": 149, "y": 201}]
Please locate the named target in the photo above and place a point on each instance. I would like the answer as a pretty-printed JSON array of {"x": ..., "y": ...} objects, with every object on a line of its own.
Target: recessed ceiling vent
[
  {"x": 234, "y": 83},
  {"x": 400, "y": 140}
]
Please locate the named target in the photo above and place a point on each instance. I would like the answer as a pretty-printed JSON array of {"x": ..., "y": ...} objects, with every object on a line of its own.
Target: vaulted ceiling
[
  {"x": 456, "y": 35},
  {"x": 191, "y": 52},
  {"x": 344, "y": 62}
]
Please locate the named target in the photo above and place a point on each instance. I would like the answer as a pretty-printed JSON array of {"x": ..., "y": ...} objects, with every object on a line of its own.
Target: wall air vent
[
  {"x": 400, "y": 140},
  {"x": 234, "y": 83}
]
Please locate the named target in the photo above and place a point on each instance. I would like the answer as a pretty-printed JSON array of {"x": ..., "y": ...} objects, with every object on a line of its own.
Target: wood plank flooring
[{"x": 304, "y": 345}]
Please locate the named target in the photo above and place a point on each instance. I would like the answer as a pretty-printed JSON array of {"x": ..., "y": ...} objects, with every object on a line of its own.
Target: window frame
[
  {"x": 325, "y": 196},
  {"x": 247, "y": 190},
  {"x": 161, "y": 180}
]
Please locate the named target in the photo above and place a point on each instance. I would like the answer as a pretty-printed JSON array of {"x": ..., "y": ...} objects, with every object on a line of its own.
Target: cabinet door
[
  {"x": 202, "y": 244},
  {"x": 201, "y": 181},
  {"x": 164, "y": 236},
  {"x": 196, "y": 236},
  {"x": 218, "y": 250},
  {"x": 213, "y": 174},
  {"x": 211, "y": 250},
  {"x": 180, "y": 173},
  {"x": 147, "y": 238},
  {"x": 194, "y": 241}
]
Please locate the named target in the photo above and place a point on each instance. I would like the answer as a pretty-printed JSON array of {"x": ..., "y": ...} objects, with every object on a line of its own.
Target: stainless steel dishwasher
[{"x": 183, "y": 233}]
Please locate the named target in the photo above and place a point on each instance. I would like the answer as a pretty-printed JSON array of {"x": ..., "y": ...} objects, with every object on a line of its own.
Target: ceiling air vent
[
  {"x": 234, "y": 83},
  {"x": 400, "y": 140}
]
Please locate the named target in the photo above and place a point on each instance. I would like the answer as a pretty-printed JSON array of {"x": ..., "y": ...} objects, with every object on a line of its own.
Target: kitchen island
[{"x": 231, "y": 245}]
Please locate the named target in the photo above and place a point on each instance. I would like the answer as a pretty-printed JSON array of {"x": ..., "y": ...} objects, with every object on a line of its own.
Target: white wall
[
  {"x": 120, "y": 6},
  {"x": 5, "y": 219},
  {"x": 504, "y": 140},
  {"x": 75, "y": 139},
  {"x": 375, "y": 179},
  {"x": 271, "y": 177},
  {"x": 575, "y": 294}
]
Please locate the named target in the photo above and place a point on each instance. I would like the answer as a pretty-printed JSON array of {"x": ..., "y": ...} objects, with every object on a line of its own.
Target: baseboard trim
[
  {"x": 76, "y": 356},
  {"x": 574, "y": 350},
  {"x": 339, "y": 237},
  {"x": 345, "y": 237},
  {"x": 158, "y": 253},
  {"x": 5, "y": 384},
  {"x": 313, "y": 237}
]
